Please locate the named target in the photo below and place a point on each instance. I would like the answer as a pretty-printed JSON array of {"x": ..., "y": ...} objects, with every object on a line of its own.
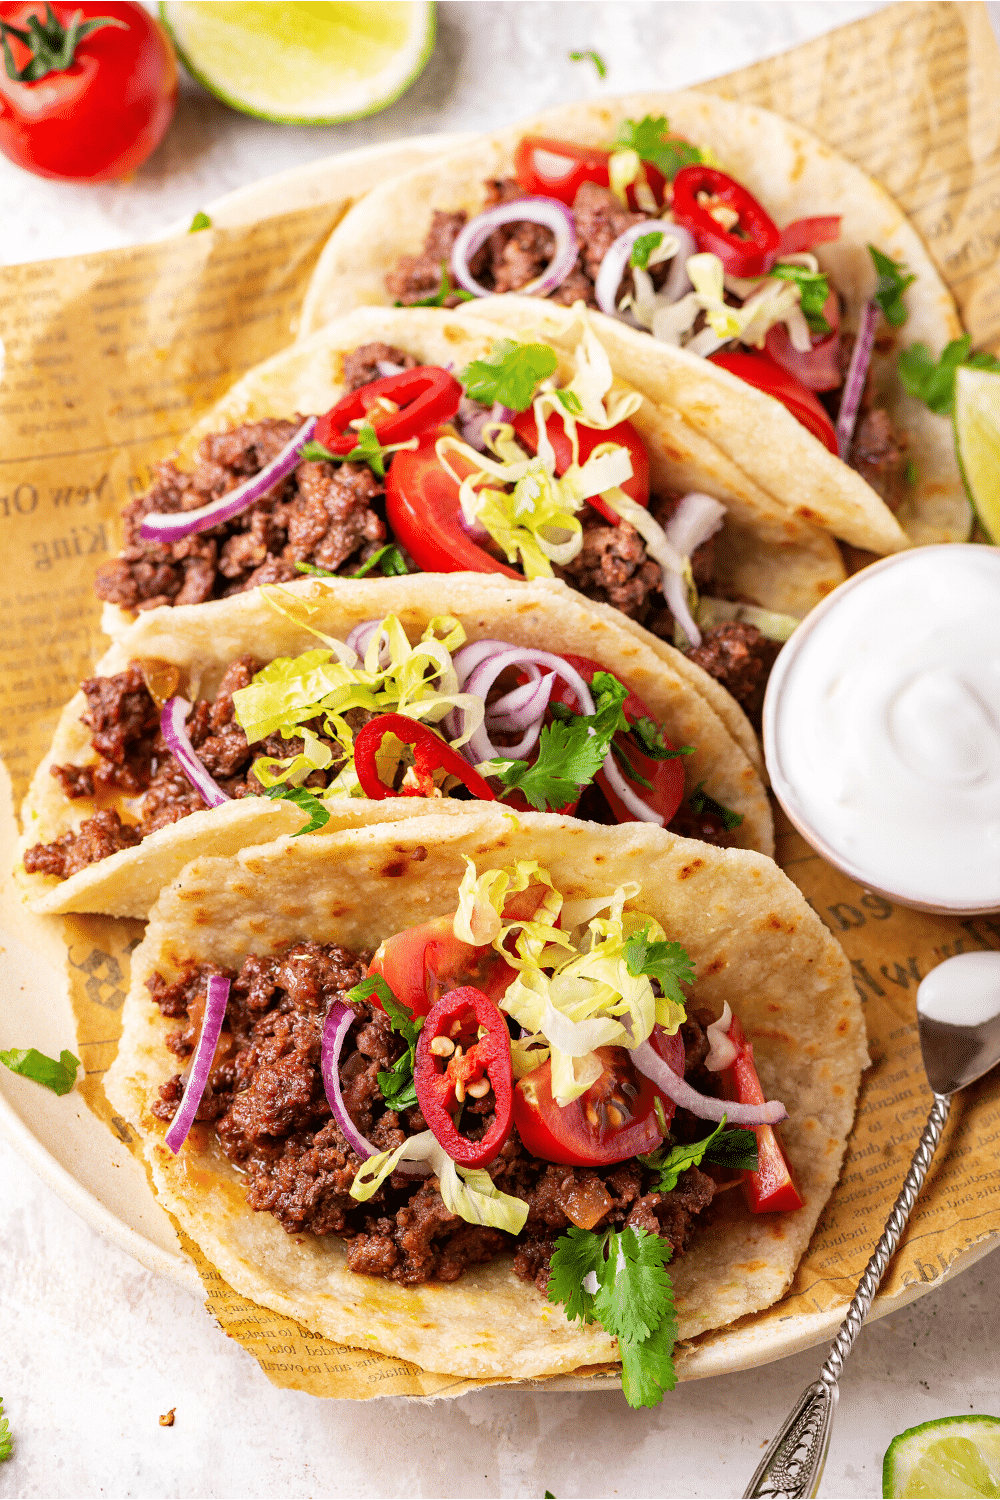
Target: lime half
[
  {"x": 303, "y": 64},
  {"x": 954, "y": 1456},
  {"x": 977, "y": 442}
]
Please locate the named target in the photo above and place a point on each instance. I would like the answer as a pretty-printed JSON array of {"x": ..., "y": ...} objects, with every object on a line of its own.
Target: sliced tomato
[
  {"x": 614, "y": 1120},
  {"x": 760, "y": 370},
  {"x": 771, "y": 1189},
  {"x": 667, "y": 776},
  {"x": 802, "y": 234},
  {"x": 423, "y": 963},
  {"x": 421, "y": 504},
  {"x": 558, "y": 169},
  {"x": 526, "y": 428}
]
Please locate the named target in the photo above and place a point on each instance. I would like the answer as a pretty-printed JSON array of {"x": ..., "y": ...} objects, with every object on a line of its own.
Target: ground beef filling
[
  {"x": 266, "y": 1101},
  {"x": 328, "y": 515},
  {"x": 133, "y": 758}
]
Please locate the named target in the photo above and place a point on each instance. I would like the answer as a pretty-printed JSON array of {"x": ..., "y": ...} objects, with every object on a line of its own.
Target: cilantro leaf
[
  {"x": 701, "y": 802},
  {"x": 648, "y": 1368},
  {"x": 368, "y": 451},
  {"x": 200, "y": 221},
  {"x": 650, "y": 737},
  {"x": 444, "y": 291},
  {"x": 633, "y": 1285},
  {"x": 892, "y": 283},
  {"x": 669, "y": 964},
  {"x": 570, "y": 401},
  {"x": 735, "y": 1149},
  {"x": 373, "y": 984},
  {"x": 304, "y": 798},
  {"x": 643, "y": 247},
  {"x": 648, "y": 139},
  {"x": 6, "y": 1441},
  {"x": 569, "y": 757},
  {"x": 509, "y": 374},
  {"x": 813, "y": 292},
  {"x": 933, "y": 382},
  {"x": 591, "y": 56},
  {"x": 578, "y": 1253},
  {"x": 396, "y": 1083},
  {"x": 30, "y": 1063}
]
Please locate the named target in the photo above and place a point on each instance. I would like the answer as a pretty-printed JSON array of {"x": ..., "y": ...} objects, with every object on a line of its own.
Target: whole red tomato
[{"x": 84, "y": 107}]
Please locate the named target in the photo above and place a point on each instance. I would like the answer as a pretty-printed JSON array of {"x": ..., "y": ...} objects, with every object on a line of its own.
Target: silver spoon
[{"x": 958, "y": 1015}]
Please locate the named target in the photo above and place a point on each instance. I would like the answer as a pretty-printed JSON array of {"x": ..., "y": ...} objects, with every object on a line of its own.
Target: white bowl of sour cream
[{"x": 882, "y": 728}]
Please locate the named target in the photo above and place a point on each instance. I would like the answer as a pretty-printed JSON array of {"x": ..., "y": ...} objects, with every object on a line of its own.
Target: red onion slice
[
  {"x": 388, "y": 367},
  {"x": 635, "y": 804},
  {"x": 548, "y": 212},
  {"x": 696, "y": 518},
  {"x": 854, "y": 383},
  {"x": 172, "y": 526},
  {"x": 473, "y": 418},
  {"x": 616, "y": 260},
  {"x": 338, "y": 1023},
  {"x": 172, "y": 717},
  {"x": 649, "y": 1061},
  {"x": 201, "y": 1063},
  {"x": 522, "y": 705},
  {"x": 480, "y": 747}
]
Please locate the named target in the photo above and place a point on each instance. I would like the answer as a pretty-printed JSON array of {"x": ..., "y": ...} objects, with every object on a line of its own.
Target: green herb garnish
[
  {"x": 304, "y": 798},
  {"x": 388, "y": 559},
  {"x": 396, "y": 1084},
  {"x": 701, "y": 802},
  {"x": 734, "y": 1149},
  {"x": 648, "y": 139},
  {"x": 669, "y": 964},
  {"x": 633, "y": 1301},
  {"x": 933, "y": 381},
  {"x": 444, "y": 291},
  {"x": 509, "y": 374},
  {"x": 6, "y": 1440},
  {"x": 814, "y": 290},
  {"x": 28, "y": 1062},
  {"x": 368, "y": 451},
  {"x": 200, "y": 221},
  {"x": 893, "y": 279},
  {"x": 589, "y": 55},
  {"x": 571, "y": 750},
  {"x": 643, "y": 247}
]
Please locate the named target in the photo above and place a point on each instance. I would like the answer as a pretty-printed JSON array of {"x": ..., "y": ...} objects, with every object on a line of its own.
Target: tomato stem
[{"x": 52, "y": 45}]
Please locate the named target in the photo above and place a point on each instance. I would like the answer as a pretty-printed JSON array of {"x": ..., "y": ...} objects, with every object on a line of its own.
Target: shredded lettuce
[
  {"x": 480, "y": 918},
  {"x": 468, "y": 1192},
  {"x": 775, "y": 626}
]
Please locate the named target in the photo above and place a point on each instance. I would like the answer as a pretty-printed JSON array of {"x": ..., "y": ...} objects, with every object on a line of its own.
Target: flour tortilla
[
  {"x": 204, "y": 639},
  {"x": 794, "y": 175},
  {"x": 764, "y": 553},
  {"x": 754, "y": 941}
]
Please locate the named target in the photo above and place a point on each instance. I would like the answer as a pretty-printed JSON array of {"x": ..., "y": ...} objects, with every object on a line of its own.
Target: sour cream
[{"x": 882, "y": 728}]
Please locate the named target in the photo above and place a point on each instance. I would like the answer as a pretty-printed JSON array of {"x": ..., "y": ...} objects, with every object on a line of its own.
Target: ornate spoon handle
[{"x": 792, "y": 1467}]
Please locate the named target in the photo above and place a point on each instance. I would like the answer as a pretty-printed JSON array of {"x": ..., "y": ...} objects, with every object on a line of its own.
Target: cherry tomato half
[
  {"x": 614, "y": 1120},
  {"x": 423, "y": 963},
  {"x": 667, "y": 776},
  {"x": 104, "y": 114},
  {"x": 760, "y": 370},
  {"x": 624, "y": 434},
  {"x": 558, "y": 169},
  {"x": 425, "y": 397},
  {"x": 421, "y": 504}
]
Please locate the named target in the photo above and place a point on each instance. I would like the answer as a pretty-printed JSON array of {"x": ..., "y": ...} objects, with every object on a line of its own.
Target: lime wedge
[
  {"x": 977, "y": 442},
  {"x": 303, "y": 64},
  {"x": 953, "y": 1456}
]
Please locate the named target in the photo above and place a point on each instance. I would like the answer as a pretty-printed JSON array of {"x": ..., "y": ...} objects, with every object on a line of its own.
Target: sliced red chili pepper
[
  {"x": 750, "y": 248},
  {"x": 430, "y": 753},
  {"x": 426, "y": 396},
  {"x": 771, "y": 1189},
  {"x": 464, "y": 1040}
]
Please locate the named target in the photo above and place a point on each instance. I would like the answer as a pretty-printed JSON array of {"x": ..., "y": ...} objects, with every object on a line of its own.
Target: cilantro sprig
[
  {"x": 368, "y": 451},
  {"x": 396, "y": 1083},
  {"x": 814, "y": 290},
  {"x": 933, "y": 381},
  {"x": 28, "y": 1062},
  {"x": 201, "y": 220},
  {"x": 893, "y": 279},
  {"x": 643, "y": 247},
  {"x": 571, "y": 750},
  {"x": 649, "y": 140},
  {"x": 589, "y": 55},
  {"x": 6, "y": 1439},
  {"x": 668, "y": 963},
  {"x": 304, "y": 798},
  {"x": 444, "y": 291},
  {"x": 509, "y": 374},
  {"x": 620, "y": 1281},
  {"x": 735, "y": 1149},
  {"x": 701, "y": 802}
]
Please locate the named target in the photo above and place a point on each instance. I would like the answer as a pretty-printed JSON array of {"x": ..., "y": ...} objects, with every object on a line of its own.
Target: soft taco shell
[
  {"x": 794, "y": 175},
  {"x": 763, "y": 553},
  {"x": 203, "y": 639},
  {"x": 754, "y": 941}
]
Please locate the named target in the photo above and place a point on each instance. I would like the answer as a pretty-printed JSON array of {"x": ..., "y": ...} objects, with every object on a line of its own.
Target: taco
[
  {"x": 770, "y": 271},
  {"x": 471, "y": 1149},
  {"x": 333, "y": 703},
  {"x": 632, "y": 506}
]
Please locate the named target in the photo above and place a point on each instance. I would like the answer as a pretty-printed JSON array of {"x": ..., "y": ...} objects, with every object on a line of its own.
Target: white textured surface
[{"x": 92, "y": 1347}]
